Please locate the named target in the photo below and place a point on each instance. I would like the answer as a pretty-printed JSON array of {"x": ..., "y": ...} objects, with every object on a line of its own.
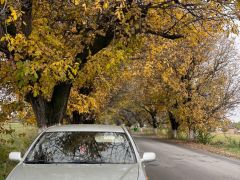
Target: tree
[
  {"x": 194, "y": 83},
  {"x": 48, "y": 43},
  {"x": 236, "y": 125},
  {"x": 12, "y": 109},
  {"x": 201, "y": 83}
]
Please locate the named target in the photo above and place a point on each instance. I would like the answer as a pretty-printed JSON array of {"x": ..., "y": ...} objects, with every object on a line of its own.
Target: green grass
[
  {"x": 160, "y": 132},
  {"x": 225, "y": 137},
  {"x": 229, "y": 142},
  {"x": 19, "y": 140}
]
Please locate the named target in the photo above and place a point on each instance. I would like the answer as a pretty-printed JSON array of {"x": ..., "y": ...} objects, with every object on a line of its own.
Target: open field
[
  {"x": 230, "y": 142},
  {"x": 225, "y": 137},
  {"x": 17, "y": 141}
]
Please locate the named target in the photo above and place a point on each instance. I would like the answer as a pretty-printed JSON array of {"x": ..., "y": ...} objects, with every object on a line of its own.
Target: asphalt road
[{"x": 178, "y": 163}]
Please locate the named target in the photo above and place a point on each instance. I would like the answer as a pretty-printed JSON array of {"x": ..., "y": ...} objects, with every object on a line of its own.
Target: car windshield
[{"x": 82, "y": 148}]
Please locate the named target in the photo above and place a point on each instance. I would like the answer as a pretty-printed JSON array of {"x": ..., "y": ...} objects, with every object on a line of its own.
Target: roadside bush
[
  {"x": 182, "y": 135},
  {"x": 204, "y": 137}
]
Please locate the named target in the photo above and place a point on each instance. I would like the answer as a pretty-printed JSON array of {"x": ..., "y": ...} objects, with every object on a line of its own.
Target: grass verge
[{"x": 19, "y": 140}]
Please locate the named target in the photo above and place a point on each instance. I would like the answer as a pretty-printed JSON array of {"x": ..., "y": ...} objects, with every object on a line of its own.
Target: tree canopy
[
  {"x": 193, "y": 85},
  {"x": 53, "y": 49}
]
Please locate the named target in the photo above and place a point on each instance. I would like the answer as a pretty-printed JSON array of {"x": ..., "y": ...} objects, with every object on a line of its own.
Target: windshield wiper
[
  {"x": 84, "y": 162},
  {"x": 71, "y": 162},
  {"x": 38, "y": 162}
]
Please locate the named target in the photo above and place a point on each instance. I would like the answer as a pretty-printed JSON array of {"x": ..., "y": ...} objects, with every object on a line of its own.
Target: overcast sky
[{"x": 235, "y": 114}]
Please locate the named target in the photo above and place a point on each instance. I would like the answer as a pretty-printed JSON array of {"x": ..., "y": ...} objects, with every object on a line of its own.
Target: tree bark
[
  {"x": 50, "y": 112},
  {"x": 154, "y": 119},
  {"x": 83, "y": 118},
  {"x": 153, "y": 114},
  {"x": 26, "y": 26},
  {"x": 191, "y": 134},
  {"x": 141, "y": 123},
  {"x": 174, "y": 124}
]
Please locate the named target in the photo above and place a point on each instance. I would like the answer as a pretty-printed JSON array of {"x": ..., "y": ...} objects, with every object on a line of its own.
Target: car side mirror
[
  {"x": 148, "y": 157},
  {"x": 15, "y": 156}
]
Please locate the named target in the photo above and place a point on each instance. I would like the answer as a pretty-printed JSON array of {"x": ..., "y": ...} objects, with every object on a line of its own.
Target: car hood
[{"x": 74, "y": 171}]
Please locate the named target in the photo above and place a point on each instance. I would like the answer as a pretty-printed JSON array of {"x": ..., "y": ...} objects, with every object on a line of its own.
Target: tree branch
[{"x": 165, "y": 35}]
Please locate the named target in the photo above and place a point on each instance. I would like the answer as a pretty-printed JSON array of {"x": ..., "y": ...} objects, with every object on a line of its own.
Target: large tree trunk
[
  {"x": 50, "y": 112},
  {"x": 154, "y": 120},
  {"x": 26, "y": 26},
  {"x": 83, "y": 118},
  {"x": 174, "y": 124},
  {"x": 191, "y": 135},
  {"x": 141, "y": 123},
  {"x": 191, "y": 132}
]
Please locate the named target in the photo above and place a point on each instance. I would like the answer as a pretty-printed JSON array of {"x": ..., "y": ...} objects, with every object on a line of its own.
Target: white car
[{"x": 81, "y": 152}]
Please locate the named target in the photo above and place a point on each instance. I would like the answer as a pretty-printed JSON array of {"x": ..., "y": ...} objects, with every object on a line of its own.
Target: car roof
[{"x": 85, "y": 128}]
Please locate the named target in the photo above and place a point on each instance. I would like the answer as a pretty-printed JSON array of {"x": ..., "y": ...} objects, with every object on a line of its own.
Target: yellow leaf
[
  {"x": 118, "y": 14},
  {"x": 85, "y": 6},
  {"x": 13, "y": 16},
  {"x": 3, "y": 38},
  {"x": 76, "y": 2},
  {"x": 105, "y": 5}
]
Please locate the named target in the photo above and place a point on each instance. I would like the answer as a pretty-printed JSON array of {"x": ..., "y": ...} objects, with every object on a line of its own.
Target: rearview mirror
[
  {"x": 148, "y": 157},
  {"x": 15, "y": 156}
]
